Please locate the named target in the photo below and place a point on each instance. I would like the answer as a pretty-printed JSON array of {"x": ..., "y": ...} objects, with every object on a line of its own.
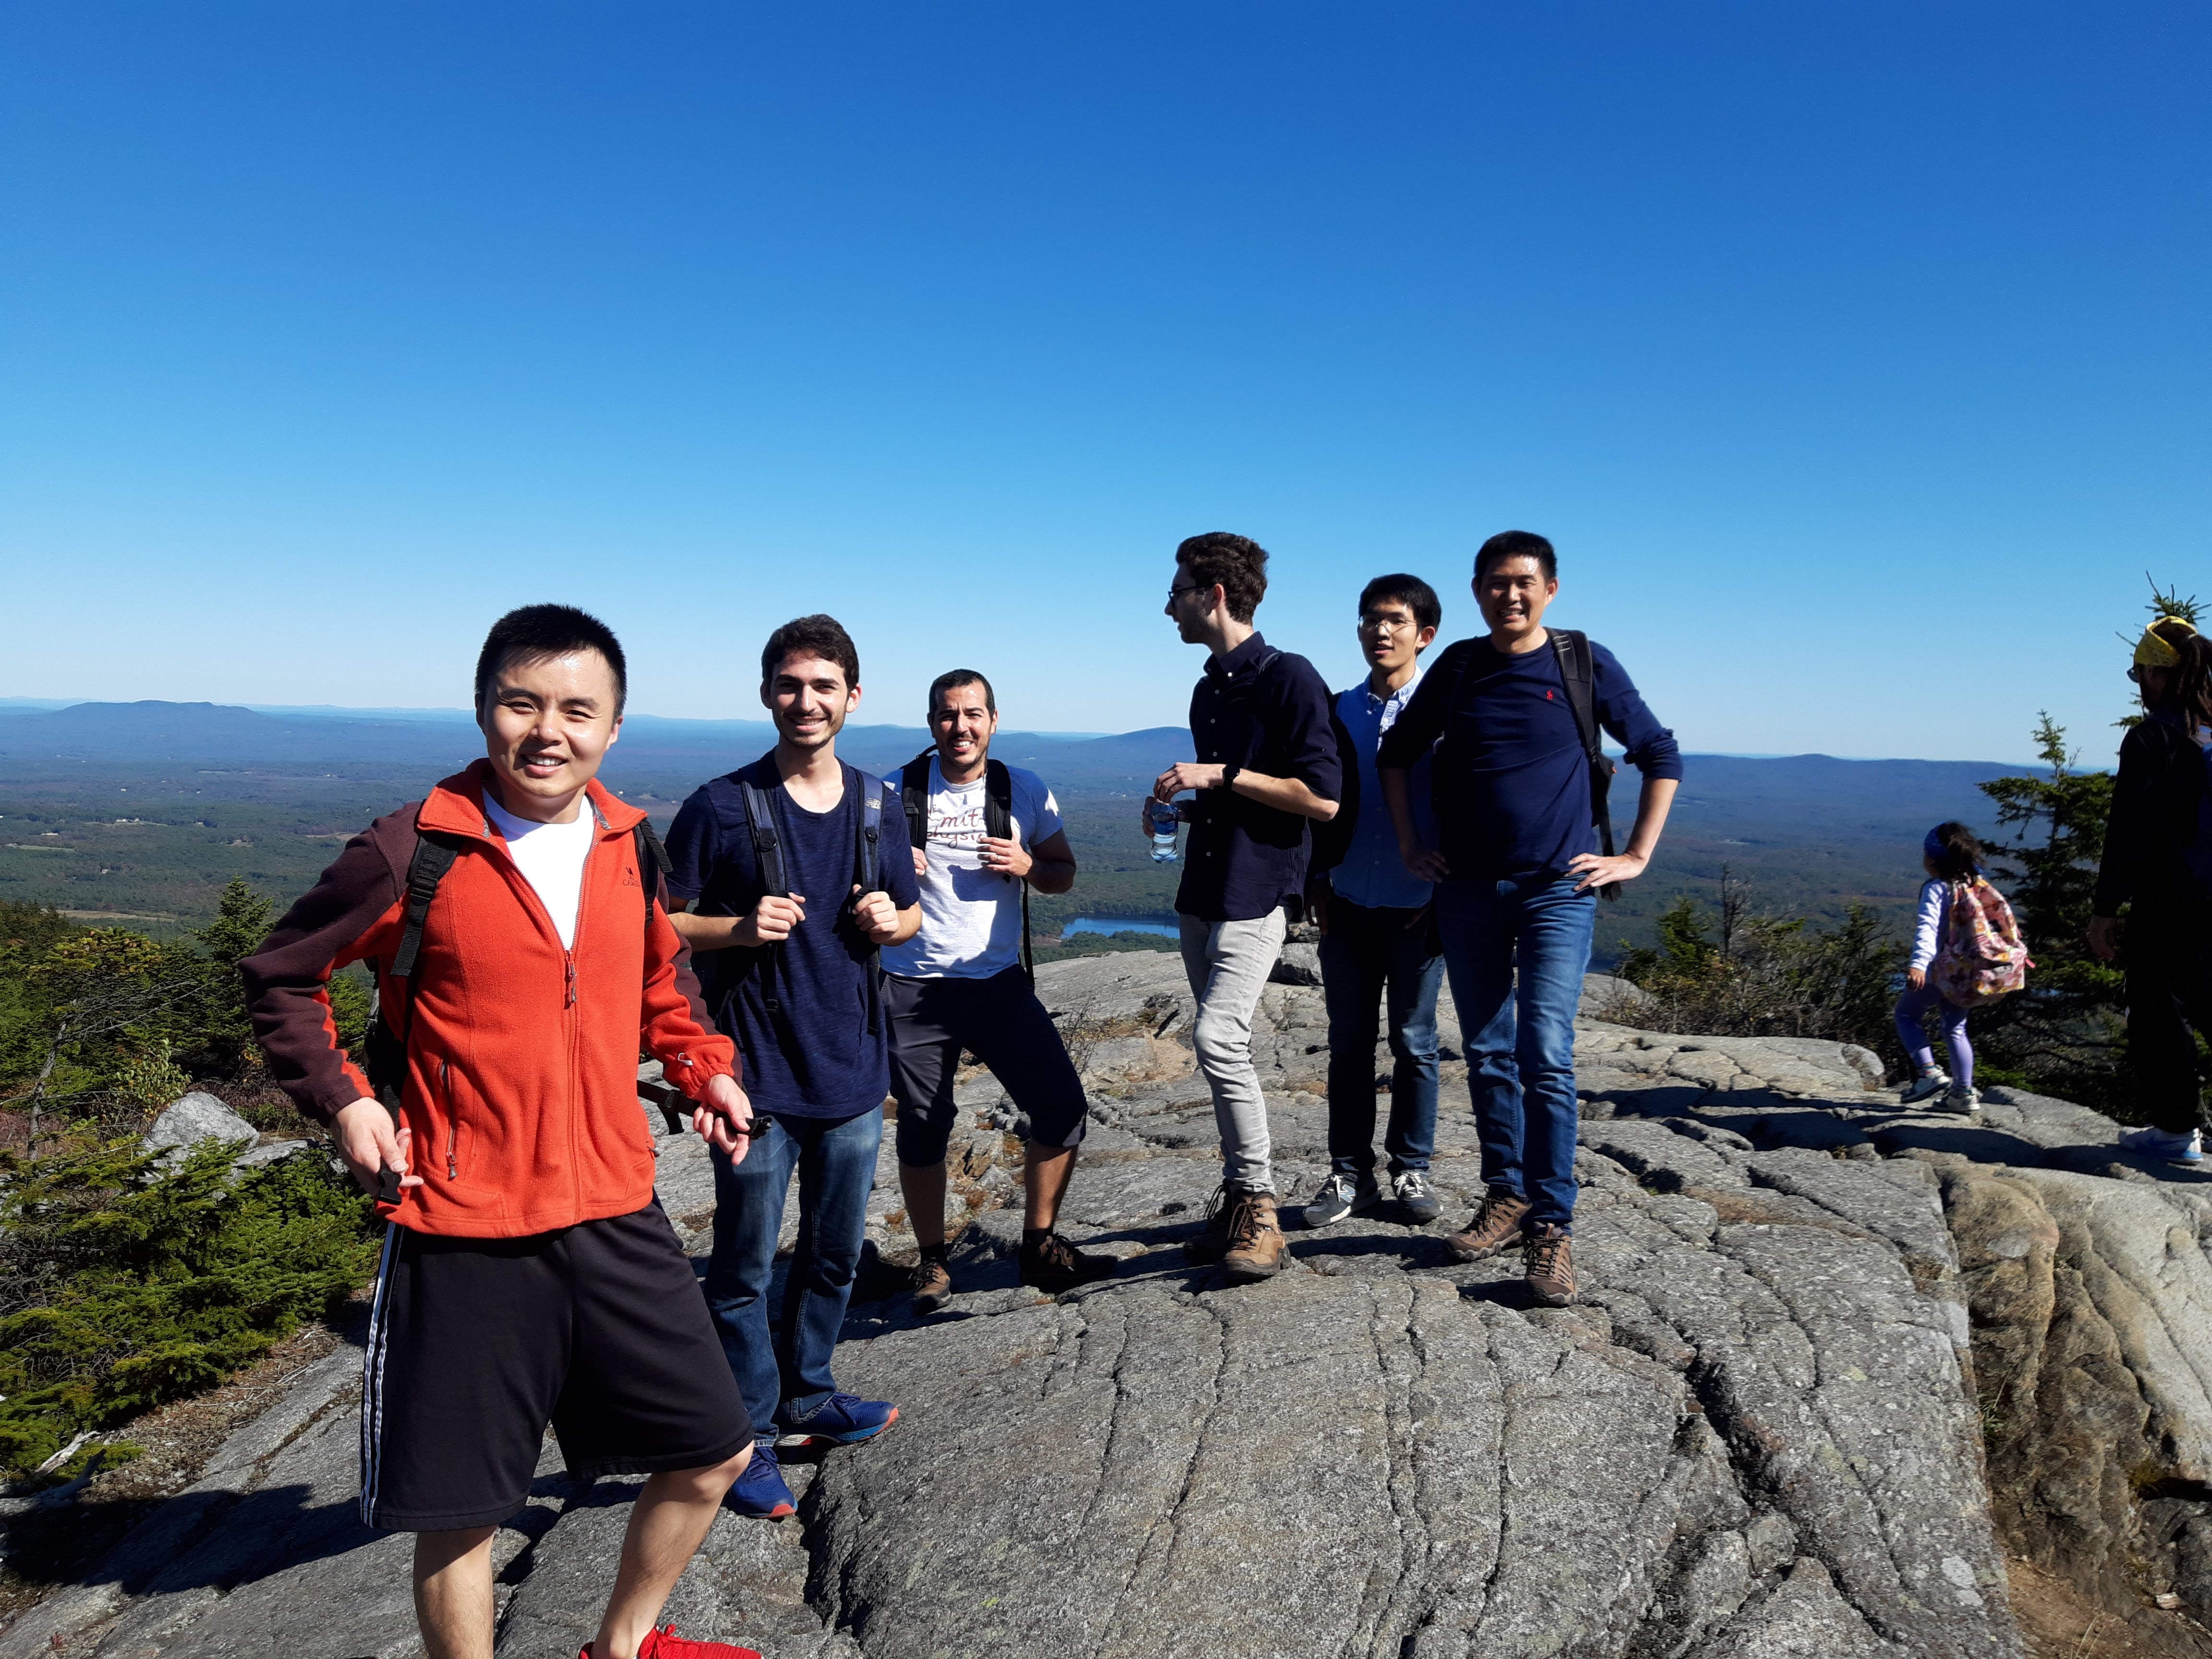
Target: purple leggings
[{"x": 1912, "y": 1009}]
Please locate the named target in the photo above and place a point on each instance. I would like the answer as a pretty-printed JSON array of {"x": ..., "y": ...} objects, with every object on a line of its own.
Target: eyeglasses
[
  {"x": 2135, "y": 675},
  {"x": 1175, "y": 593},
  {"x": 1389, "y": 624}
]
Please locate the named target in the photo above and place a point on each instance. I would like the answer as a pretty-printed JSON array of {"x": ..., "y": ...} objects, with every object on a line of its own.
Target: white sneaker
[
  {"x": 1923, "y": 1087},
  {"x": 1339, "y": 1195},
  {"x": 2156, "y": 1143},
  {"x": 1960, "y": 1103}
]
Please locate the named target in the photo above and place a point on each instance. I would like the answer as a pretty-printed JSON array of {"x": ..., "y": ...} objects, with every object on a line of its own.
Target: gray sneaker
[
  {"x": 1924, "y": 1086},
  {"x": 1339, "y": 1195},
  {"x": 1961, "y": 1102},
  {"x": 1411, "y": 1188}
]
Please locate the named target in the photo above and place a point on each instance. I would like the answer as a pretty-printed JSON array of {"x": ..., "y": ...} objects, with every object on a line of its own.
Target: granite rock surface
[{"x": 1808, "y": 1320}]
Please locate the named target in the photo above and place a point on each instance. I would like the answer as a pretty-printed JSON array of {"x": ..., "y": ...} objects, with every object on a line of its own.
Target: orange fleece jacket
[{"x": 522, "y": 1066}]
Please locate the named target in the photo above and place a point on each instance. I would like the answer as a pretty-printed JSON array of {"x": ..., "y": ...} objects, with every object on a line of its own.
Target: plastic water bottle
[{"x": 1165, "y": 818}]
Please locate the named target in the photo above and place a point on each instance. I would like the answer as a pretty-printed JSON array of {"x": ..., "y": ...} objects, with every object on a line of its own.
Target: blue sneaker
[
  {"x": 841, "y": 1420},
  {"x": 2156, "y": 1143},
  {"x": 760, "y": 1491}
]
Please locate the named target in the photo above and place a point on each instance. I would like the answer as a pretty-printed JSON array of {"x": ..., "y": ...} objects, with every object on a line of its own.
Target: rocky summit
[{"x": 1836, "y": 1368}]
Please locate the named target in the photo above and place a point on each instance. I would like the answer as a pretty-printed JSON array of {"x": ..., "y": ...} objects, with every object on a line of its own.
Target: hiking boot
[
  {"x": 760, "y": 1491},
  {"x": 1255, "y": 1241},
  {"x": 1495, "y": 1225},
  {"x": 1339, "y": 1195},
  {"x": 840, "y": 1420},
  {"x": 1211, "y": 1242},
  {"x": 665, "y": 1643},
  {"x": 1548, "y": 1262},
  {"x": 2157, "y": 1143},
  {"x": 1415, "y": 1198},
  {"x": 1960, "y": 1103},
  {"x": 931, "y": 1285},
  {"x": 1924, "y": 1086},
  {"x": 1052, "y": 1264}
]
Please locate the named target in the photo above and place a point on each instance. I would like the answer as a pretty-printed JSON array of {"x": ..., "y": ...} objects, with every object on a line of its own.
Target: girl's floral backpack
[{"x": 1983, "y": 957}]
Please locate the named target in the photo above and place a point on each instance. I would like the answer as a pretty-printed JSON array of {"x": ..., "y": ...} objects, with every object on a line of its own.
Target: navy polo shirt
[
  {"x": 1267, "y": 711},
  {"x": 817, "y": 1058},
  {"x": 1511, "y": 779}
]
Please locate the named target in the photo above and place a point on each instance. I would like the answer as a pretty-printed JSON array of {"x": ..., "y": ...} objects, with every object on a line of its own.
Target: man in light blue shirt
[{"x": 1379, "y": 950}]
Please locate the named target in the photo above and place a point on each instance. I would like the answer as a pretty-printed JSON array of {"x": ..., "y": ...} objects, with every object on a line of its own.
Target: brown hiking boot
[
  {"x": 932, "y": 1287},
  {"x": 1548, "y": 1262},
  {"x": 1255, "y": 1241},
  {"x": 1211, "y": 1241},
  {"x": 1496, "y": 1225},
  {"x": 1052, "y": 1264}
]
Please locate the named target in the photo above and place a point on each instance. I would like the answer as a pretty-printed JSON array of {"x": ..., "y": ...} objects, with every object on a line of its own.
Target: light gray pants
[{"x": 1229, "y": 963}]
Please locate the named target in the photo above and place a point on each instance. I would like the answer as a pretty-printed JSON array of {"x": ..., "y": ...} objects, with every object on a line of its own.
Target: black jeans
[
  {"x": 1372, "y": 959},
  {"x": 2169, "y": 969}
]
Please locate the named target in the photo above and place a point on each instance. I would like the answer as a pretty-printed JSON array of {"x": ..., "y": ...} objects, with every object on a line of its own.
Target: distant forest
[{"x": 141, "y": 813}]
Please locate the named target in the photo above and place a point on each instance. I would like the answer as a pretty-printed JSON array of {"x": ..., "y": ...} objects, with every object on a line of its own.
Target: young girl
[{"x": 1949, "y": 854}]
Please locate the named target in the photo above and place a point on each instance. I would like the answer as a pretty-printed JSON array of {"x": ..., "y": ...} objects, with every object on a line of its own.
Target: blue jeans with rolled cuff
[
  {"x": 1519, "y": 1038},
  {"x": 1372, "y": 959},
  {"x": 786, "y": 1377}
]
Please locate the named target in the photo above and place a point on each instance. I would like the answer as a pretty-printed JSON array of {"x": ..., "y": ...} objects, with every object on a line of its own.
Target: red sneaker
[{"x": 665, "y": 1643}]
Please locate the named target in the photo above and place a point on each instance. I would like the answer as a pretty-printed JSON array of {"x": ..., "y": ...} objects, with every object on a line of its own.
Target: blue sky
[{"x": 1856, "y": 356}]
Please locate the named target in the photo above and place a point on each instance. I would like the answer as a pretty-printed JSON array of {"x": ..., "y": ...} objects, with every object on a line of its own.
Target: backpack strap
[
  {"x": 999, "y": 823},
  {"x": 1578, "y": 670},
  {"x": 914, "y": 795},
  {"x": 869, "y": 862},
  {"x": 768, "y": 851},
  {"x": 651, "y": 865},
  {"x": 386, "y": 1048}
]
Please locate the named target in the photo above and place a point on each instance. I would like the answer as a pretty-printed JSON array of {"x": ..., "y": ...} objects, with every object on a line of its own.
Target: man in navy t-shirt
[
  {"x": 1518, "y": 872},
  {"x": 789, "y": 971}
]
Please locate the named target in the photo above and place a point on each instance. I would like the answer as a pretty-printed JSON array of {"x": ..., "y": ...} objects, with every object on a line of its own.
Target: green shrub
[{"x": 125, "y": 1283}]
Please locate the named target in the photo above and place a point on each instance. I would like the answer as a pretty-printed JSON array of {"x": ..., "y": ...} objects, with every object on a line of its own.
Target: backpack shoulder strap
[
  {"x": 1578, "y": 671},
  {"x": 651, "y": 865},
  {"x": 998, "y": 800},
  {"x": 872, "y": 831},
  {"x": 998, "y": 821},
  {"x": 760, "y": 818},
  {"x": 914, "y": 796},
  {"x": 434, "y": 853}
]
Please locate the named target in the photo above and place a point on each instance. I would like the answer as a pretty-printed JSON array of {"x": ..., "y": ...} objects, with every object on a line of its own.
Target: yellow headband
[{"x": 2152, "y": 652}]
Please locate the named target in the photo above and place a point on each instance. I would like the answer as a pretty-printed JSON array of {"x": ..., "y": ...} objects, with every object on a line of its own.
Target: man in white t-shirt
[{"x": 960, "y": 982}]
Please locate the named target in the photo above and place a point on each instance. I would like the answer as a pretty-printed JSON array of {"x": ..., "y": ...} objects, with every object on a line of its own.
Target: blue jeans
[
  {"x": 784, "y": 1380},
  {"x": 1521, "y": 1047},
  {"x": 1369, "y": 957}
]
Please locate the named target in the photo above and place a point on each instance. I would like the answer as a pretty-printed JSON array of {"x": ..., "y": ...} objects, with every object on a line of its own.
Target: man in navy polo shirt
[
  {"x": 791, "y": 976},
  {"x": 1517, "y": 868},
  {"x": 1267, "y": 766}
]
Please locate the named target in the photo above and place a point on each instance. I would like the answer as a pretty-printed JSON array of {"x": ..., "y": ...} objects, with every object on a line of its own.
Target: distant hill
[{"x": 143, "y": 809}]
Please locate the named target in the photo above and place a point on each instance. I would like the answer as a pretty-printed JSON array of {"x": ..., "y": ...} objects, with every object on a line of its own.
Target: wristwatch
[{"x": 1229, "y": 776}]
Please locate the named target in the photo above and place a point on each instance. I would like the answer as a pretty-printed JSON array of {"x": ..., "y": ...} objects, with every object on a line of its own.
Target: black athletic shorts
[
  {"x": 476, "y": 1344},
  {"x": 1002, "y": 1023}
]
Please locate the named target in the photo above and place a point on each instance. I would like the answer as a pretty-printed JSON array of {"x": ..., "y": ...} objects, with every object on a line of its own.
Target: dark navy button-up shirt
[{"x": 1267, "y": 711}]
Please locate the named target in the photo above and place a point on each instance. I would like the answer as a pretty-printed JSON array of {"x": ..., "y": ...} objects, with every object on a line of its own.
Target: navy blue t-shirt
[
  {"x": 816, "y": 1059},
  {"x": 1511, "y": 782}
]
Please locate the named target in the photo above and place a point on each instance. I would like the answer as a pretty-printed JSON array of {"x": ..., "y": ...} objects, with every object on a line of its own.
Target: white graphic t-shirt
[
  {"x": 552, "y": 858},
  {"x": 971, "y": 917}
]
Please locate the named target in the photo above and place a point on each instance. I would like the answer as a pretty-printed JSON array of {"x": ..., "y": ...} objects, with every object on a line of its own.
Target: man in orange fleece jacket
[{"x": 528, "y": 1273}]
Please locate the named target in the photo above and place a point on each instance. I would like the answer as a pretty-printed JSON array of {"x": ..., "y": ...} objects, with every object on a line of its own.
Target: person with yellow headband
[{"x": 2158, "y": 864}]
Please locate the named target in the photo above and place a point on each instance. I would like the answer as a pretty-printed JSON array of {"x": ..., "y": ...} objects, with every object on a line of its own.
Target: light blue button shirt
[{"x": 1372, "y": 873}]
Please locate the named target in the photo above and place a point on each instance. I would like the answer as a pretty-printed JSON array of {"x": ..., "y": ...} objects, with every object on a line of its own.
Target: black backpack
[
  {"x": 1578, "y": 668},
  {"x": 386, "y": 1050},
  {"x": 998, "y": 823}
]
